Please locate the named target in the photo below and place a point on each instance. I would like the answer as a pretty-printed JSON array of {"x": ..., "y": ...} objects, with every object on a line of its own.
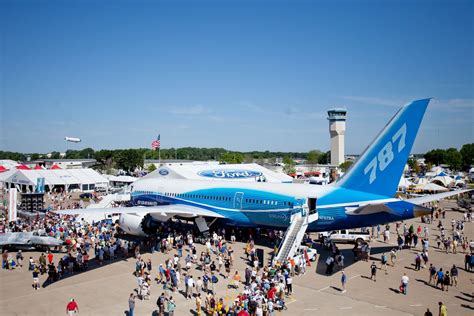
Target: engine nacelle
[{"x": 132, "y": 224}]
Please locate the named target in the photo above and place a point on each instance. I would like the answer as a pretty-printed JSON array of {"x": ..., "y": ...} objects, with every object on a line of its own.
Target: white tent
[
  {"x": 71, "y": 179},
  {"x": 445, "y": 181},
  {"x": 404, "y": 182},
  {"x": 430, "y": 187}
]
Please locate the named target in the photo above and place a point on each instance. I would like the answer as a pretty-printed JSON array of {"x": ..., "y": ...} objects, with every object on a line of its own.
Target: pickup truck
[
  {"x": 345, "y": 236},
  {"x": 299, "y": 255}
]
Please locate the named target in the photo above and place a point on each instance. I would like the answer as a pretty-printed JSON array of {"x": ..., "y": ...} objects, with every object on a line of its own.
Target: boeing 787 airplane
[{"x": 363, "y": 197}]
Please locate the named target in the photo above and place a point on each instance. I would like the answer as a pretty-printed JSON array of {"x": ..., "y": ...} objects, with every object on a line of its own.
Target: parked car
[
  {"x": 86, "y": 195},
  {"x": 299, "y": 255}
]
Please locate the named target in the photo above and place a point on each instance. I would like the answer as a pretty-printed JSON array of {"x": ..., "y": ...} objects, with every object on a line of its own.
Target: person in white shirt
[{"x": 404, "y": 284}]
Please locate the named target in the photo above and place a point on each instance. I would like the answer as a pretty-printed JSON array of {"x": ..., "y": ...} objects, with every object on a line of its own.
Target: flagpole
[{"x": 159, "y": 156}]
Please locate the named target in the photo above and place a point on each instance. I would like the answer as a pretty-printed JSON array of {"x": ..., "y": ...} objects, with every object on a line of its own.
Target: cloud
[
  {"x": 290, "y": 112},
  {"x": 189, "y": 110},
  {"x": 372, "y": 100},
  {"x": 453, "y": 105}
]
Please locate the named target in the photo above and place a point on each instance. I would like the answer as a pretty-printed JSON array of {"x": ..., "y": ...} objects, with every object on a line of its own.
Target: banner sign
[{"x": 12, "y": 204}]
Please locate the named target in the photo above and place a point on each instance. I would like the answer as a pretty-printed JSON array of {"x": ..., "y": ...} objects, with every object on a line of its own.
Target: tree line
[{"x": 130, "y": 159}]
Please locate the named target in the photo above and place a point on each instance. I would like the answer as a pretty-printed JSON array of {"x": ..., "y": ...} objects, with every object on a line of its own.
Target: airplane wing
[
  {"x": 163, "y": 210},
  {"x": 435, "y": 197}
]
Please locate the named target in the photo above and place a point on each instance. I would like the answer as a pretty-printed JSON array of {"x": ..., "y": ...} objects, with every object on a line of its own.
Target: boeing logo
[{"x": 230, "y": 173}]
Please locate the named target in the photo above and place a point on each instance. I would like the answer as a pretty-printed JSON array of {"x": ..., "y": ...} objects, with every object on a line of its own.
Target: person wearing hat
[
  {"x": 72, "y": 308},
  {"x": 35, "y": 278}
]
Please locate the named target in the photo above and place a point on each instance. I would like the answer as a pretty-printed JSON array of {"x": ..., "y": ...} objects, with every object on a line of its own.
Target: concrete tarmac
[{"x": 105, "y": 290}]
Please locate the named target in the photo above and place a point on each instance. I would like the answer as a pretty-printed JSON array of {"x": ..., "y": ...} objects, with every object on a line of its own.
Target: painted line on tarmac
[
  {"x": 416, "y": 305},
  {"x": 324, "y": 288},
  {"x": 346, "y": 307},
  {"x": 380, "y": 306},
  {"x": 355, "y": 276},
  {"x": 311, "y": 309}
]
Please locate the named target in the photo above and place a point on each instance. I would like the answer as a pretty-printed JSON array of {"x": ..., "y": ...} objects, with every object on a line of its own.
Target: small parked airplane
[
  {"x": 363, "y": 197},
  {"x": 28, "y": 241}
]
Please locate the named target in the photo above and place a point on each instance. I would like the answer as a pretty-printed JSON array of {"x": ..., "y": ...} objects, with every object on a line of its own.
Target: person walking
[
  {"x": 171, "y": 306},
  {"x": 404, "y": 285},
  {"x": 198, "y": 304},
  {"x": 447, "y": 281},
  {"x": 343, "y": 281},
  {"x": 131, "y": 304},
  {"x": 440, "y": 278},
  {"x": 72, "y": 308},
  {"x": 443, "y": 310},
  {"x": 454, "y": 276},
  {"x": 35, "y": 278},
  {"x": 373, "y": 271},
  {"x": 432, "y": 271},
  {"x": 384, "y": 263}
]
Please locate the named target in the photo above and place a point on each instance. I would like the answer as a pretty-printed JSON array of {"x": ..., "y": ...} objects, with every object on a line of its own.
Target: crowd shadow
[
  {"x": 93, "y": 264},
  {"x": 349, "y": 258}
]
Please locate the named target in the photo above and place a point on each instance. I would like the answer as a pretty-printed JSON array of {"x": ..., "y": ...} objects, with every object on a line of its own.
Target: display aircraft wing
[
  {"x": 162, "y": 210},
  {"x": 435, "y": 197}
]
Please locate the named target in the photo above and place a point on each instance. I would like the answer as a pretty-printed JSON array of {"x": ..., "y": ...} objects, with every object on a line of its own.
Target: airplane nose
[{"x": 421, "y": 211}]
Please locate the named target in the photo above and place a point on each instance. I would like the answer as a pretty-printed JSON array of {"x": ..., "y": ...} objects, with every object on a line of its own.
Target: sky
[{"x": 242, "y": 75}]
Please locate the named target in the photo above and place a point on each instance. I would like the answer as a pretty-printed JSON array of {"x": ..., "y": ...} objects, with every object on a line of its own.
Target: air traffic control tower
[{"x": 337, "y": 129}]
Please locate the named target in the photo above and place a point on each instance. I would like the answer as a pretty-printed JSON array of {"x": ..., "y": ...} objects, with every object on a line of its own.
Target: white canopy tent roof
[
  {"x": 431, "y": 187},
  {"x": 210, "y": 171},
  {"x": 56, "y": 177}
]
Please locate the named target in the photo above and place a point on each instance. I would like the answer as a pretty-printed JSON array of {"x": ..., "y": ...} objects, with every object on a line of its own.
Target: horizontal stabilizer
[{"x": 435, "y": 197}]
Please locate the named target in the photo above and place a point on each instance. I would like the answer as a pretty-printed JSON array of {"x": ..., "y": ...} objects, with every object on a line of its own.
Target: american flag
[{"x": 156, "y": 143}]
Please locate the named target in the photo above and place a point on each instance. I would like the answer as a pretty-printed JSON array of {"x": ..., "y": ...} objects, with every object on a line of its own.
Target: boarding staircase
[
  {"x": 106, "y": 202},
  {"x": 294, "y": 234},
  {"x": 108, "y": 199}
]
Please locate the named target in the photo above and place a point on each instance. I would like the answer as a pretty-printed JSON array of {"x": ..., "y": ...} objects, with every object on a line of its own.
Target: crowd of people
[{"x": 259, "y": 290}]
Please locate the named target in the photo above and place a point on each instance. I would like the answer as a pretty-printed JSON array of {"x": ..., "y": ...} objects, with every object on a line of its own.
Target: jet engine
[
  {"x": 132, "y": 224},
  {"x": 139, "y": 225}
]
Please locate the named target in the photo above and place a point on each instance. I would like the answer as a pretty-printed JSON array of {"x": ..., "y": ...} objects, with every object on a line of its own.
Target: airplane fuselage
[{"x": 270, "y": 204}]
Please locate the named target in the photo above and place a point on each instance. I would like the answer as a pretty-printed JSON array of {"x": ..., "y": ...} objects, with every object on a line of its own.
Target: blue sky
[{"x": 243, "y": 75}]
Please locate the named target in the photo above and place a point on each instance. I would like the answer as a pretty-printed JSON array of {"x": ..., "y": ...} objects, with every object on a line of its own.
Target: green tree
[
  {"x": 345, "y": 165},
  {"x": 232, "y": 157},
  {"x": 414, "y": 166},
  {"x": 128, "y": 159},
  {"x": 436, "y": 156},
  {"x": 453, "y": 158},
  {"x": 151, "y": 168},
  {"x": 289, "y": 165},
  {"x": 467, "y": 153},
  {"x": 313, "y": 157}
]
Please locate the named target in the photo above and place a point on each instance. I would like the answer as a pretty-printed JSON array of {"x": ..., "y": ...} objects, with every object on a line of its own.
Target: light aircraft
[
  {"x": 72, "y": 139},
  {"x": 363, "y": 197}
]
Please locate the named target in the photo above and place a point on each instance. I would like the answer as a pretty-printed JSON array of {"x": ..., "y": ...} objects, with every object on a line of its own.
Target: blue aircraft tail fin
[{"x": 379, "y": 168}]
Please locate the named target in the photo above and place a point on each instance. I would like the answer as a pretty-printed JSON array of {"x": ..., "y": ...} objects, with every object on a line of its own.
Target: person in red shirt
[
  {"x": 271, "y": 293},
  {"x": 50, "y": 257},
  {"x": 72, "y": 308}
]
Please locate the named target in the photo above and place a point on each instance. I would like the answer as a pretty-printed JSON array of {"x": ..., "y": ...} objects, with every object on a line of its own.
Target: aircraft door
[
  {"x": 238, "y": 198},
  {"x": 312, "y": 205}
]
